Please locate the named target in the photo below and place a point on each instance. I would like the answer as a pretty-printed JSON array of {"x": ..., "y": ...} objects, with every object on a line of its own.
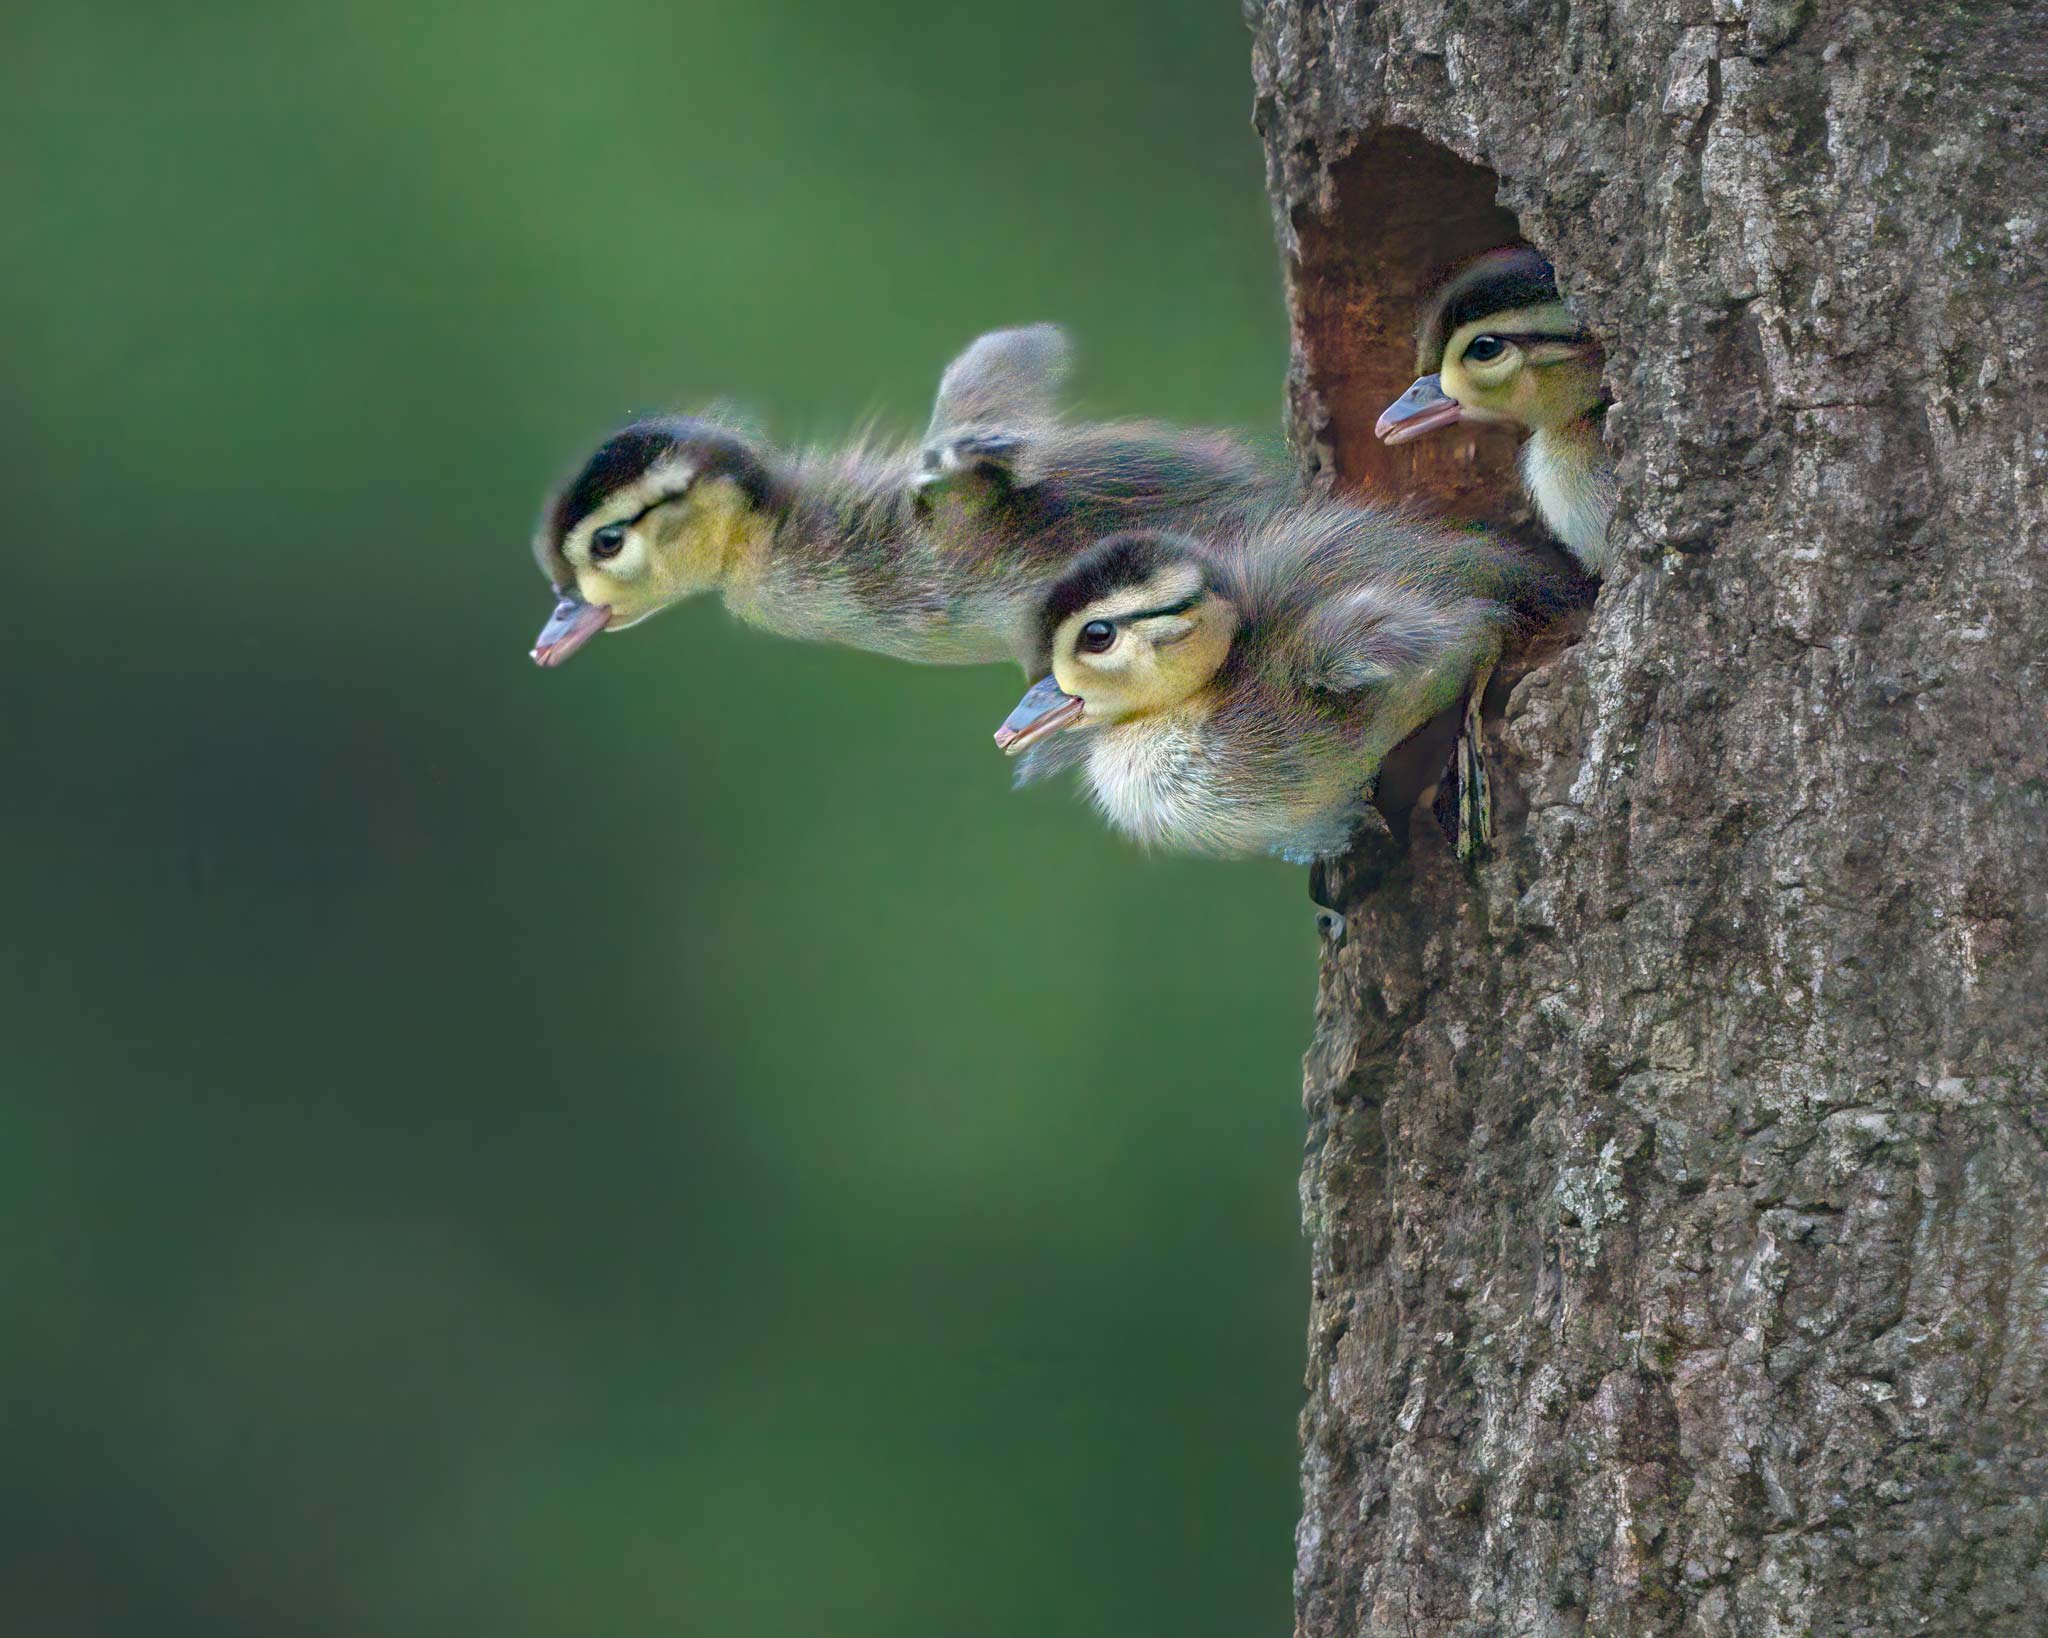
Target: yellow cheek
[
  {"x": 1568, "y": 392},
  {"x": 608, "y": 593},
  {"x": 1494, "y": 387},
  {"x": 1528, "y": 397},
  {"x": 689, "y": 559},
  {"x": 1492, "y": 401}
]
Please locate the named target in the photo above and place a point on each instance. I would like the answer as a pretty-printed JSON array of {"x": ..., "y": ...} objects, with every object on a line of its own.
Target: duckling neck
[
  {"x": 1148, "y": 776},
  {"x": 1566, "y": 473}
]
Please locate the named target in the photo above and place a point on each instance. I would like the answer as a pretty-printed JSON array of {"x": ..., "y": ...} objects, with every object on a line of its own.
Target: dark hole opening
[{"x": 1405, "y": 215}]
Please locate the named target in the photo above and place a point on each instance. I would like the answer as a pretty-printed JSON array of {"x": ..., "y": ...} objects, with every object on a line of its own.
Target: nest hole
[{"x": 1404, "y": 215}]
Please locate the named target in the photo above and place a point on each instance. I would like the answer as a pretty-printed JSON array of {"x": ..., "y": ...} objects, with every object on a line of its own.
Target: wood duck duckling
[
  {"x": 1500, "y": 346},
  {"x": 1238, "y": 694},
  {"x": 936, "y": 553}
]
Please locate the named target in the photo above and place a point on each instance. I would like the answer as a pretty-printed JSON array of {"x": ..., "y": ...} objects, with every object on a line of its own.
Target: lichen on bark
[{"x": 1676, "y": 1181}]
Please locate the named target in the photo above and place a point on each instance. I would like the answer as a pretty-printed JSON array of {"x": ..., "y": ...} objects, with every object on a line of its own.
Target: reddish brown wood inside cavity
[{"x": 1406, "y": 214}]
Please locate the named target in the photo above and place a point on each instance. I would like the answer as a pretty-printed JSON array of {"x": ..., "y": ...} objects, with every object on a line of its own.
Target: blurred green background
[{"x": 674, "y": 1144}]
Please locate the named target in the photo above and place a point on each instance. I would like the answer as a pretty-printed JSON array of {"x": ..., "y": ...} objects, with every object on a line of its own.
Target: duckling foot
[
  {"x": 1330, "y": 921},
  {"x": 1475, "y": 786},
  {"x": 989, "y": 454}
]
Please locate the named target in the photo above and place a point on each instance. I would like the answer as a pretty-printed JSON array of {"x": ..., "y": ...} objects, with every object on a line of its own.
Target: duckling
[
  {"x": 938, "y": 553},
  {"x": 1500, "y": 346},
  {"x": 1237, "y": 694}
]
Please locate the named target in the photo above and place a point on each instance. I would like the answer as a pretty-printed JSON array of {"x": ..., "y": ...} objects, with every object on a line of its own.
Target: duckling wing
[
  {"x": 1006, "y": 378},
  {"x": 1380, "y": 633}
]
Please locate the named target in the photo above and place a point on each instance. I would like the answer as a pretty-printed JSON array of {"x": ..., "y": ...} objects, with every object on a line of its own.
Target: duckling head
[
  {"x": 662, "y": 510},
  {"x": 1499, "y": 346},
  {"x": 1136, "y": 627}
]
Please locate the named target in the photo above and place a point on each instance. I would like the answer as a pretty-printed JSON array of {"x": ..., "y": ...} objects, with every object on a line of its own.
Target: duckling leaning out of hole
[
  {"x": 939, "y": 553},
  {"x": 1237, "y": 695},
  {"x": 1500, "y": 346}
]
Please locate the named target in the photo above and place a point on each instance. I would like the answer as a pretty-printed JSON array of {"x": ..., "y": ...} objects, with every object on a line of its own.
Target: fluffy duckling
[
  {"x": 1500, "y": 346},
  {"x": 939, "y": 553},
  {"x": 1237, "y": 694}
]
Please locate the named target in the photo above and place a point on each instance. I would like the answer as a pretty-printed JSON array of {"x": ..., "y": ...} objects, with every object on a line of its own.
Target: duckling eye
[
  {"x": 1484, "y": 349},
  {"x": 608, "y": 542},
  {"x": 1097, "y": 637}
]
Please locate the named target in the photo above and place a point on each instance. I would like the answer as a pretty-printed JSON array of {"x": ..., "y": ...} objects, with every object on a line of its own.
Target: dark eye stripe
[
  {"x": 634, "y": 521},
  {"x": 1531, "y": 338},
  {"x": 1181, "y": 607},
  {"x": 659, "y": 500}
]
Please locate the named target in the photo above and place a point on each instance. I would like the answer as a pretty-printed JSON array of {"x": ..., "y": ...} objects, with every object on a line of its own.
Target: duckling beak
[
  {"x": 1422, "y": 408},
  {"x": 1046, "y": 709},
  {"x": 573, "y": 624}
]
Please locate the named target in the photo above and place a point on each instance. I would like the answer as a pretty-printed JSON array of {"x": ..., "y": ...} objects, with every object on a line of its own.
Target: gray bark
[{"x": 1678, "y": 1178}]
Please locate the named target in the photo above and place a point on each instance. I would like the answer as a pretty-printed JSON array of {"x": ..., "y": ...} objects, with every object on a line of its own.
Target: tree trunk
[{"x": 1676, "y": 1177}]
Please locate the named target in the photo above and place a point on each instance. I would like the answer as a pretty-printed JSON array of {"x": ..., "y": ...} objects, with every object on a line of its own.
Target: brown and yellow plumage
[
  {"x": 937, "y": 552},
  {"x": 1236, "y": 692},
  {"x": 1498, "y": 346}
]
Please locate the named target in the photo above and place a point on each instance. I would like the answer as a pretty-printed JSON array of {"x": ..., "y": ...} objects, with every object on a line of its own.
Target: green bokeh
[{"x": 673, "y": 1145}]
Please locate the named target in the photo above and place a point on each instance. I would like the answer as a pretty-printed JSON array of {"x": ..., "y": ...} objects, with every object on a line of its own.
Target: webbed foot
[
  {"x": 1475, "y": 785},
  {"x": 994, "y": 455},
  {"x": 1330, "y": 920}
]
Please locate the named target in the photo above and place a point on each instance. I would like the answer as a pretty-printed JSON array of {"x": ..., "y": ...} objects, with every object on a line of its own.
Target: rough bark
[{"x": 1678, "y": 1178}]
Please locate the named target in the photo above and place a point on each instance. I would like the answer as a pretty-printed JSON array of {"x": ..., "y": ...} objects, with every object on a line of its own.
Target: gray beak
[
  {"x": 1422, "y": 408},
  {"x": 573, "y": 624},
  {"x": 1045, "y": 709}
]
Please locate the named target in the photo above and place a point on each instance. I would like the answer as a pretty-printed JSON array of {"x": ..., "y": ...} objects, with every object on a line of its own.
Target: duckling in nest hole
[
  {"x": 1498, "y": 345},
  {"x": 939, "y": 552}
]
